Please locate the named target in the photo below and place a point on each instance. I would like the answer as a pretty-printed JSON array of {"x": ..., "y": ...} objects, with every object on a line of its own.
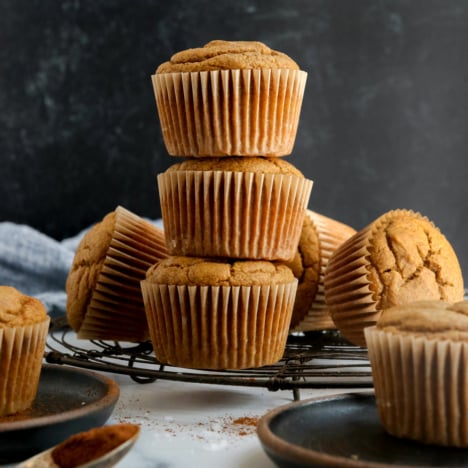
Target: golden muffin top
[
  {"x": 18, "y": 309},
  {"x": 191, "y": 271},
  {"x": 86, "y": 267},
  {"x": 431, "y": 319},
  {"x": 410, "y": 260},
  {"x": 261, "y": 165},
  {"x": 227, "y": 55}
]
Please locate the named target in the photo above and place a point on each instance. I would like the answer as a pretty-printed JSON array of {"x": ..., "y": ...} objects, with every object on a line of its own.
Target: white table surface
[{"x": 190, "y": 424}]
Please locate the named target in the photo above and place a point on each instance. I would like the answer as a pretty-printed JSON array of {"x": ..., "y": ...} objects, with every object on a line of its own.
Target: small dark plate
[
  {"x": 68, "y": 401},
  {"x": 344, "y": 431}
]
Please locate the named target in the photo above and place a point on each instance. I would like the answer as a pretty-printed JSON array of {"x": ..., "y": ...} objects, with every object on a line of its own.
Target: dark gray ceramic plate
[
  {"x": 344, "y": 431},
  {"x": 68, "y": 401}
]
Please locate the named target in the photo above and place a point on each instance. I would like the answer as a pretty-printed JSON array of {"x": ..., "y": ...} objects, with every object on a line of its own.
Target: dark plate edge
[
  {"x": 109, "y": 400},
  {"x": 278, "y": 449}
]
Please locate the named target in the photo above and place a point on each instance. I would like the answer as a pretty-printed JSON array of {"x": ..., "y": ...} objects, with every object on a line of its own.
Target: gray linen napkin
[{"x": 35, "y": 264}]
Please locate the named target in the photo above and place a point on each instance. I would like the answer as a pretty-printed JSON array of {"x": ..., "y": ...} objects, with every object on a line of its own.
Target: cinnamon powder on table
[
  {"x": 245, "y": 421},
  {"x": 87, "y": 446}
]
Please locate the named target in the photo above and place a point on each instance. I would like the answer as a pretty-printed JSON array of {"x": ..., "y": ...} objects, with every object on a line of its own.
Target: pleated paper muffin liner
[
  {"x": 226, "y": 327},
  {"x": 331, "y": 235},
  {"x": 21, "y": 354},
  {"x": 229, "y": 112},
  {"x": 233, "y": 214},
  {"x": 420, "y": 386},
  {"x": 116, "y": 310}
]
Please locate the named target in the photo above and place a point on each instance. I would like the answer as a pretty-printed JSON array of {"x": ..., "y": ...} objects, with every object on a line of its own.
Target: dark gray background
[{"x": 384, "y": 122}]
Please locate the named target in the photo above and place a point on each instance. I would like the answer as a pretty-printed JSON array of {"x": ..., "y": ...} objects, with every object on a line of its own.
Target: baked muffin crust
[
  {"x": 431, "y": 319},
  {"x": 306, "y": 266},
  {"x": 18, "y": 309},
  {"x": 179, "y": 270},
  {"x": 410, "y": 259},
  {"x": 227, "y": 55},
  {"x": 263, "y": 165},
  {"x": 87, "y": 264}
]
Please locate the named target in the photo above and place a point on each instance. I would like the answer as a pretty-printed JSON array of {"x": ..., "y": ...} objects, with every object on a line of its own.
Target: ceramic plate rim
[
  {"x": 110, "y": 398},
  {"x": 301, "y": 455}
]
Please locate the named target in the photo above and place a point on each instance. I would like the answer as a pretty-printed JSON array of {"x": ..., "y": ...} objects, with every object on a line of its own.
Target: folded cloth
[{"x": 36, "y": 264}]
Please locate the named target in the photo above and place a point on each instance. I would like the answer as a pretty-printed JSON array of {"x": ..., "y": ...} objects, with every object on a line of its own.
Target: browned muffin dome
[
  {"x": 226, "y": 55},
  {"x": 258, "y": 165},
  {"x": 180, "y": 270},
  {"x": 431, "y": 319},
  {"x": 18, "y": 309}
]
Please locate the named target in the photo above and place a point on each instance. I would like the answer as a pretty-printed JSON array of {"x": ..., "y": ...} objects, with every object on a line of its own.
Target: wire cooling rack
[{"x": 311, "y": 360}]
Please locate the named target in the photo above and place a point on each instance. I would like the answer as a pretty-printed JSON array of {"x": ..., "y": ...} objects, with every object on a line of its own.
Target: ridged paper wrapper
[
  {"x": 21, "y": 354},
  {"x": 116, "y": 310},
  {"x": 233, "y": 214},
  {"x": 420, "y": 386},
  {"x": 229, "y": 112},
  {"x": 219, "y": 327}
]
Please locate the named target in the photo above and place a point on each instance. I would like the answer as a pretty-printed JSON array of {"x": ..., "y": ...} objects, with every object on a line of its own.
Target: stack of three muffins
[{"x": 232, "y": 210}]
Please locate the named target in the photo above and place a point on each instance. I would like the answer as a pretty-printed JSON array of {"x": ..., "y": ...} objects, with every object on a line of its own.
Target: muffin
[
  {"x": 419, "y": 358},
  {"x": 221, "y": 314},
  {"x": 104, "y": 298},
  {"x": 233, "y": 207},
  {"x": 401, "y": 257},
  {"x": 229, "y": 99},
  {"x": 24, "y": 325},
  {"x": 320, "y": 237}
]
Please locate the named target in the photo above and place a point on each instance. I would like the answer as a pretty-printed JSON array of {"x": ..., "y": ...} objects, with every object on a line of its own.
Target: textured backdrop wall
[{"x": 384, "y": 122}]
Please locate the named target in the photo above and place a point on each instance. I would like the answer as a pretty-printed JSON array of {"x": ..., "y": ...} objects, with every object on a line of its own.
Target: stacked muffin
[{"x": 233, "y": 210}]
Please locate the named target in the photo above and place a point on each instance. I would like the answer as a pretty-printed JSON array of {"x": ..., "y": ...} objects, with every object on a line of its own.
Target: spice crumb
[{"x": 246, "y": 420}]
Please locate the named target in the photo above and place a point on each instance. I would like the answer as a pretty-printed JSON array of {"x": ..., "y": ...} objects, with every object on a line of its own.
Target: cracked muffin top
[
  {"x": 195, "y": 271},
  {"x": 259, "y": 164},
  {"x": 431, "y": 319},
  {"x": 227, "y": 55},
  {"x": 18, "y": 309},
  {"x": 409, "y": 259}
]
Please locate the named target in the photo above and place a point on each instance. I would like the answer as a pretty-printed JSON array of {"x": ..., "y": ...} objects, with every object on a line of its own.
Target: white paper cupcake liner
[
  {"x": 229, "y": 112},
  {"x": 219, "y": 327},
  {"x": 233, "y": 214},
  {"x": 116, "y": 309},
  {"x": 21, "y": 354},
  {"x": 420, "y": 386},
  {"x": 348, "y": 295}
]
